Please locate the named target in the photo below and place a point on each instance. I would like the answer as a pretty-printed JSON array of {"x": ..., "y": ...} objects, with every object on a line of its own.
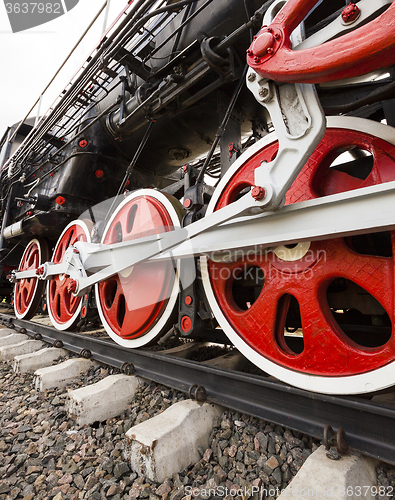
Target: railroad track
[{"x": 369, "y": 426}]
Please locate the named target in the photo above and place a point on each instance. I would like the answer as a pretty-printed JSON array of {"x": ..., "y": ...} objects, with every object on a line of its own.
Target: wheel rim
[
  {"x": 303, "y": 282},
  {"x": 137, "y": 305},
  {"x": 63, "y": 308},
  {"x": 28, "y": 292}
]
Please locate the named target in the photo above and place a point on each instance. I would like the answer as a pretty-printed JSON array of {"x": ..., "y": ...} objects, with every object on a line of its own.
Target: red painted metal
[
  {"x": 186, "y": 324},
  {"x": 60, "y": 300},
  {"x": 328, "y": 351},
  {"x": 350, "y": 13},
  {"x": 25, "y": 289},
  {"x": 258, "y": 192},
  {"x": 72, "y": 286},
  {"x": 133, "y": 301},
  {"x": 368, "y": 48}
]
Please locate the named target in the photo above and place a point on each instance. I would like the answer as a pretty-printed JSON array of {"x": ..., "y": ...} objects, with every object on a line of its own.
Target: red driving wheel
[
  {"x": 320, "y": 309},
  {"x": 28, "y": 292},
  {"x": 63, "y": 307},
  {"x": 137, "y": 305}
]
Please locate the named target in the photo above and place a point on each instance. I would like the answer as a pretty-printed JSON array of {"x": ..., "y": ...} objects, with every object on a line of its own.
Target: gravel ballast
[{"x": 45, "y": 455}]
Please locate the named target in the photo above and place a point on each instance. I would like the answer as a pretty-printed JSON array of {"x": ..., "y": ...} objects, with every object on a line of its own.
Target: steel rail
[{"x": 369, "y": 427}]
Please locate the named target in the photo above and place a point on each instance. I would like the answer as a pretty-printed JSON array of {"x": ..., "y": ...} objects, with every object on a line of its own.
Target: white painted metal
[
  {"x": 299, "y": 123},
  {"x": 358, "y": 212},
  {"x": 292, "y": 254},
  {"x": 298, "y": 120},
  {"x": 356, "y": 384}
]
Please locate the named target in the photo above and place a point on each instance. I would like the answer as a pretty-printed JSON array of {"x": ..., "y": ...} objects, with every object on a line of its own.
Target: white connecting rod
[{"x": 355, "y": 212}]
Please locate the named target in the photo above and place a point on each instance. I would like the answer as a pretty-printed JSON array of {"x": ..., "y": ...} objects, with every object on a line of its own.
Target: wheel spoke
[
  {"x": 374, "y": 274},
  {"x": 112, "y": 301},
  {"x": 327, "y": 350},
  {"x": 256, "y": 320}
]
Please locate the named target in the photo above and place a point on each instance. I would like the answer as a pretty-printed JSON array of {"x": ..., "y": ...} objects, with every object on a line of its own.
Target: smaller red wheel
[
  {"x": 28, "y": 292},
  {"x": 137, "y": 305},
  {"x": 63, "y": 308}
]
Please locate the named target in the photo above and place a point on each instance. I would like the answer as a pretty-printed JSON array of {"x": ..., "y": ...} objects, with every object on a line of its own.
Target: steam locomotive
[{"x": 227, "y": 167}]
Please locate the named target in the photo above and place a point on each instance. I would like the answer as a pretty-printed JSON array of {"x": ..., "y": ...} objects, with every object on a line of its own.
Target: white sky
[{"x": 29, "y": 59}]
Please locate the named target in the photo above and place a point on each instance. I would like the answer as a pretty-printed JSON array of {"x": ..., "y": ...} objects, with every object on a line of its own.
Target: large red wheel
[
  {"x": 63, "y": 308},
  {"x": 28, "y": 292},
  {"x": 317, "y": 315},
  {"x": 137, "y": 305}
]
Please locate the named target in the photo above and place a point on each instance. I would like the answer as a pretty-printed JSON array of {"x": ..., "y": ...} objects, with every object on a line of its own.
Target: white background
[{"x": 29, "y": 59}]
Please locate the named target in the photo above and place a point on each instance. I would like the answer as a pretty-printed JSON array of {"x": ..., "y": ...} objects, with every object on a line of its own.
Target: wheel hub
[{"x": 292, "y": 253}]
